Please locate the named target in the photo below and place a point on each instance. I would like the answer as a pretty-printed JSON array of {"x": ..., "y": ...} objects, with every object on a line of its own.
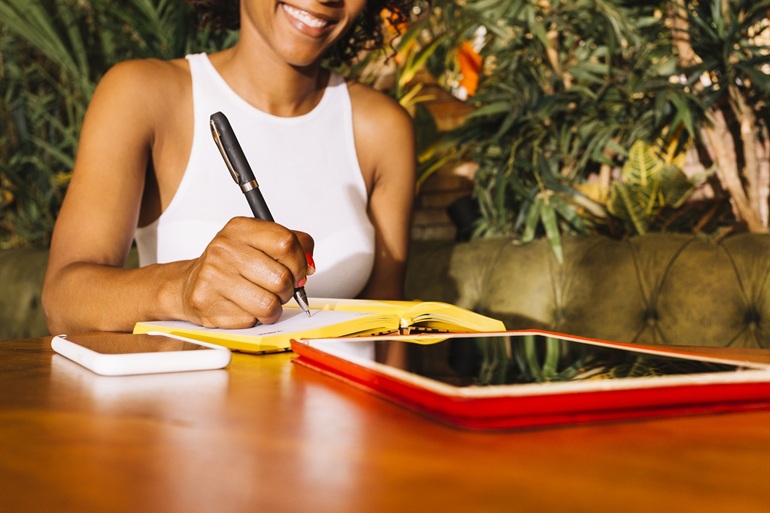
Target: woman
[{"x": 334, "y": 160}]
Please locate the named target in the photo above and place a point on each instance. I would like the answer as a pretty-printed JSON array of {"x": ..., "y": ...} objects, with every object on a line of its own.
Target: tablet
[{"x": 517, "y": 379}]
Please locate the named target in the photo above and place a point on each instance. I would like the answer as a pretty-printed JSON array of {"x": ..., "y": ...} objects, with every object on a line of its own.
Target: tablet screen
[{"x": 519, "y": 359}]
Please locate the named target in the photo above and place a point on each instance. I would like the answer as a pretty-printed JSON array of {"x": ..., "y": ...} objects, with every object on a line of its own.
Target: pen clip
[{"x": 225, "y": 156}]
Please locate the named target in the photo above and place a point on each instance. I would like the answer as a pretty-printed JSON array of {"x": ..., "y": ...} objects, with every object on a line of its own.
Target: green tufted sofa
[{"x": 655, "y": 289}]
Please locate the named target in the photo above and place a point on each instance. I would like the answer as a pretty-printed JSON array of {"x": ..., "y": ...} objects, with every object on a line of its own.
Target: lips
[{"x": 305, "y": 17}]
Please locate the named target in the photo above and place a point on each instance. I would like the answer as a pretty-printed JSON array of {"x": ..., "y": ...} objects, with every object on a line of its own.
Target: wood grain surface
[{"x": 265, "y": 435}]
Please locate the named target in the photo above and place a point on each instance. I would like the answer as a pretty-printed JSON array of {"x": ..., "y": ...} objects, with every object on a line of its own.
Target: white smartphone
[{"x": 121, "y": 354}]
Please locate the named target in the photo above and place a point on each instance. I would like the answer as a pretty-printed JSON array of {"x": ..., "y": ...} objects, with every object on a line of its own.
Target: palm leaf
[{"x": 54, "y": 52}]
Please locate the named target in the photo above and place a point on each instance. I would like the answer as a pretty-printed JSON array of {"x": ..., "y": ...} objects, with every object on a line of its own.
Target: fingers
[
  {"x": 246, "y": 273},
  {"x": 308, "y": 244}
]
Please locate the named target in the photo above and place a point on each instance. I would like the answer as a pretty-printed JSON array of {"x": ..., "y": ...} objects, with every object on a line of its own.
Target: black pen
[{"x": 239, "y": 168}]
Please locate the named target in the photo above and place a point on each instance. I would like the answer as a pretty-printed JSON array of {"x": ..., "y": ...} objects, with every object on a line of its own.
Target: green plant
[
  {"x": 647, "y": 185},
  {"x": 53, "y": 54},
  {"x": 568, "y": 88},
  {"x": 723, "y": 50}
]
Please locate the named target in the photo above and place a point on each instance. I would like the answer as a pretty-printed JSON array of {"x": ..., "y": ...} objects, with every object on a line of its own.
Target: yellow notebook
[{"x": 334, "y": 318}]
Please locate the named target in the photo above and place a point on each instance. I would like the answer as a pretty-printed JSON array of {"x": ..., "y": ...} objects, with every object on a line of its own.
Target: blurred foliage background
[
  {"x": 53, "y": 53},
  {"x": 609, "y": 116},
  {"x": 615, "y": 117}
]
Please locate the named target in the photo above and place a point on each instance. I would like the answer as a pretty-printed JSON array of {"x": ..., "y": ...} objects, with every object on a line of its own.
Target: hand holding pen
[{"x": 240, "y": 170}]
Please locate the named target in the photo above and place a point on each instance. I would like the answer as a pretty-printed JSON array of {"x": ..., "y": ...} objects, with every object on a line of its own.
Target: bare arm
[
  {"x": 245, "y": 274},
  {"x": 385, "y": 142}
]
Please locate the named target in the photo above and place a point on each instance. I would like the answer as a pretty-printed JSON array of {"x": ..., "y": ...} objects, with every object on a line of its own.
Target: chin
[{"x": 303, "y": 61}]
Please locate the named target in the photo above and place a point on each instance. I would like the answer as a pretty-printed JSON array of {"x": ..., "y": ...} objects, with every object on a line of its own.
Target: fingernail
[
  {"x": 310, "y": 261},
  {"x": 302, "y": 282}
]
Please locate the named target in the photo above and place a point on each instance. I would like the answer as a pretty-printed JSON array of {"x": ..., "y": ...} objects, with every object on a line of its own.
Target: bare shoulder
[
  {"x": 150, "y": 81},
  {"x": 376, "y": 108},
  {"x": 384, "y": 135},
  {"x": 137, "y": 100}
]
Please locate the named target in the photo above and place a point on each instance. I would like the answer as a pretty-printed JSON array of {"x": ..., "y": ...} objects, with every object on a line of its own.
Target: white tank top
[{"x": 307, "y": 170}]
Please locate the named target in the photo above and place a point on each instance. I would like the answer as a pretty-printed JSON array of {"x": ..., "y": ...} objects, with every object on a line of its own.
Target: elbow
[
  {"x": 53, "y": 308},
  {"x": 49, "y": 309}
]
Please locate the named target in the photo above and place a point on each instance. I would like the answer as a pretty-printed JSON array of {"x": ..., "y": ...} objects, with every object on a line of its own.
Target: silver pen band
[{"x": 246, "y": 187}]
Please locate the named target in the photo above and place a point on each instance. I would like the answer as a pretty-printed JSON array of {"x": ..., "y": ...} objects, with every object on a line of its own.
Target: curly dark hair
[{"x": 366, "y": 34}]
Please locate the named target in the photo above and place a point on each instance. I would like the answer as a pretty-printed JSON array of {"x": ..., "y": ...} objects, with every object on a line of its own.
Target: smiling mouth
[{"x": 305, "y": 17}]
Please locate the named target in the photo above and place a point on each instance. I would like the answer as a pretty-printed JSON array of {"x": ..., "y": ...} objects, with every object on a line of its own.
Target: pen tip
[{"x": 301, "y": 297}]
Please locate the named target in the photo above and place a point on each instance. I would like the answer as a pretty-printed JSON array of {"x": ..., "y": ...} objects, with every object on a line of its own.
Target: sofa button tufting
[{"x": 752, "y": 318}]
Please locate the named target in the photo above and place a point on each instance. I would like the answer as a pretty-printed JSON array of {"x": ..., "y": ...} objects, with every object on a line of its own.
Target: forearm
[{"x": 85, "y": 297}]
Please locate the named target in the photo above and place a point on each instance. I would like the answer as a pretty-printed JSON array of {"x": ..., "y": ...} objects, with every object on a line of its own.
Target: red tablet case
[{"x": 507, "y": 411}]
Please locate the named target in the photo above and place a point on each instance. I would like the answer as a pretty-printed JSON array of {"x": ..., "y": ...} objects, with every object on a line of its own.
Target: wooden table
[{"x": 269, "y": 436}]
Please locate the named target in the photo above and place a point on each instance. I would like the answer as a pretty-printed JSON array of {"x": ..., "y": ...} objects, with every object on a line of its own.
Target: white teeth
[{"x": 305, "y": 17}]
